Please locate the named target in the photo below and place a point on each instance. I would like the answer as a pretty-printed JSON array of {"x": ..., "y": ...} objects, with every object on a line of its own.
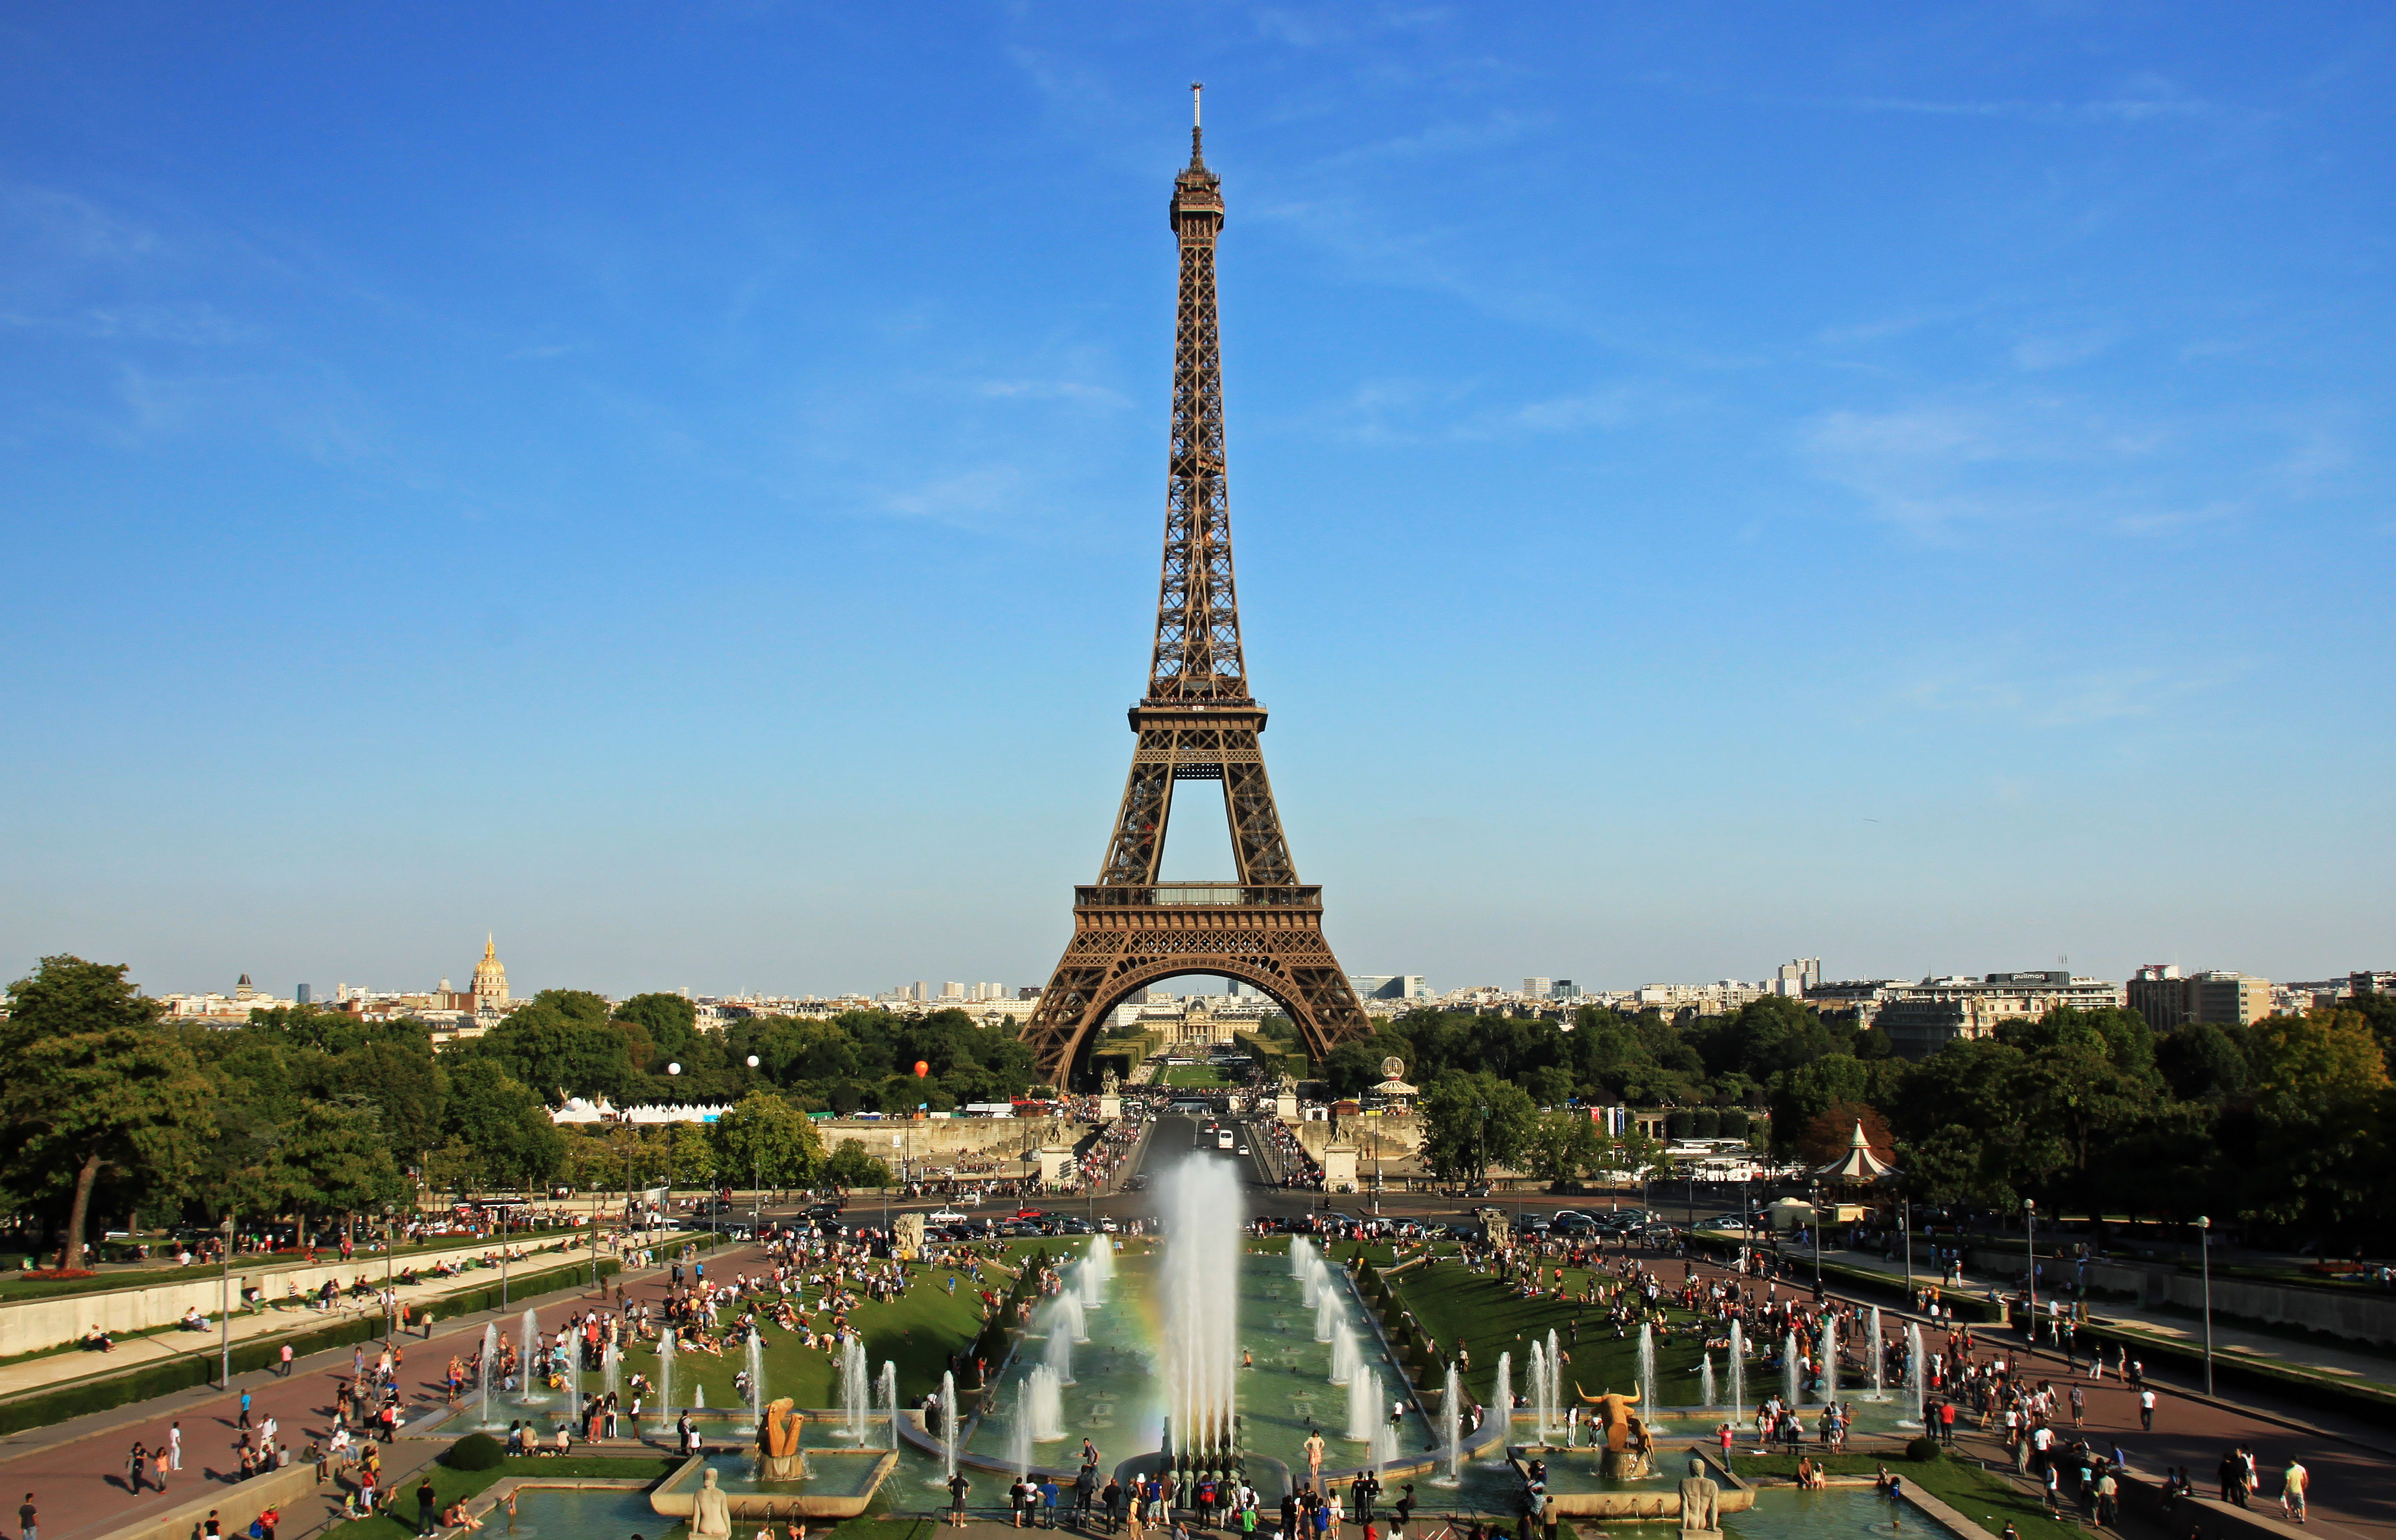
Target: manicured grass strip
[
  {"x": 1195, "y": 1077},
  {"x": 1451, "y": 1302},
  {"x": 917, "y": 1333},
  {"x": 1987, "y": 1499}
]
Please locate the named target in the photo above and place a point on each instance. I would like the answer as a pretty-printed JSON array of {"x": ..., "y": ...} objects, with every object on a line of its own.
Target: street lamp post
[
  {"x": 224, "y": 1312},
  {"x": 1905, "y": 1232},
  {"x": 670, "y": 1130},
  {"x": 2204, "y": 1260},
  {"x": 1815, "y": 1192},
  {"x": 2030, "y": 1247},
  {"x": 390, "y": 1303}
]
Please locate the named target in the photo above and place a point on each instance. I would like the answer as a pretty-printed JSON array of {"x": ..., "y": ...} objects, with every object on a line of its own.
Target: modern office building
[{"x": 2168, "y": 998}]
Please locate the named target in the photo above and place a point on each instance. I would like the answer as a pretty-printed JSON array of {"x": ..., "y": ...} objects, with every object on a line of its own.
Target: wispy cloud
[{"x": 1051, "y": 390}]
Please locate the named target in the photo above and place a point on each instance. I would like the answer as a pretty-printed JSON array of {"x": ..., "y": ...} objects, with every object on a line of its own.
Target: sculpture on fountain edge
[
  {"x": 710, "y": 1511},
  {"x": 1700, "y": 1501},
  {"x": 778, "y": 1457},
  {"x": 1628, "y": 1446}
]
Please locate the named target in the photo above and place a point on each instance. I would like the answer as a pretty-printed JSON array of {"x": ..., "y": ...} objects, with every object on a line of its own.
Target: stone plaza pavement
[{"x": 76, "y": 1470}]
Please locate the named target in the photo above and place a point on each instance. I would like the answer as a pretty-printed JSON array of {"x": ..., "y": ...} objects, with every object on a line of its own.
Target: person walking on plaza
[
  {"x": 25, "y": 1517},
  {"x": 137, "y": 1464},
  {"x": 287, "y": 1361},
  {"x": 245, "y": 1411},
  {"x": 2146, "y": 1409},
  {"x": 2293, "y": 1482},
  {"x": 174, "y": 1446},
  {"x": 158, "y": 1468}
]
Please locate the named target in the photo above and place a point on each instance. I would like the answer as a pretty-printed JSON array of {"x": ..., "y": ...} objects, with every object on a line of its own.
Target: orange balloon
[{"x": 921, "y": 1069}]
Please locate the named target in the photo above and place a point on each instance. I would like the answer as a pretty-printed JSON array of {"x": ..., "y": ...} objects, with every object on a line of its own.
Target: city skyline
[{"x": 1845, "y": 485}]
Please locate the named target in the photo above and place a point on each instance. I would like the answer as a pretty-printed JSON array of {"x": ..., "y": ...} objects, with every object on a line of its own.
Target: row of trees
[
  {"x": 2289, "y": 1122},
  {"x": 108, "y": 1106}
]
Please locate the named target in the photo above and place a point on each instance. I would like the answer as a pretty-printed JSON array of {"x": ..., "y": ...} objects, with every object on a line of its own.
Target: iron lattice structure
[{"x": 1197, "y": 722}]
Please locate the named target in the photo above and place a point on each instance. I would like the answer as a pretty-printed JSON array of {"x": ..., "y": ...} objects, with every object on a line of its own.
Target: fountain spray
[
  {"x": 1059, "y": 1352},
  {"x": 1647, "y": 1372},
  {"x": 1201, "y": 1352},
  {"x": 1737, "y": 1371},
  {"x": 757, "y": 1371},
  {"x": 1829, "y": 1360},
  {"x": 1503, "y": 1399},
  {"x": 1917, "y": 1377},
  {"x": 1706, "y": 1382},
  {"x": 1075, "y": 1317},
  {"x": 1451, "y": 1418},
  {"x": 1345, "y": 1360},
  {"x": 1363, "y": 1406},
  {"x": 611, "y": 1369},
  {"x": 1019, "y": 1439},
  {"x": 856, "y": 1388},
  {"x": 1879, "y": 1359},
  {"x": 1047, "y": 1407},
  {"x": 1538, "y": 1389},
  {"x": 890, "y": 1400},
  {"x": 1789, "y": 1368},
  {"x": 665, "y": 1379},
  {"x": 527, "y": 1343},
  {"x": 948, "y": 1424},
  {"x": 490, "y": 1368},
  {"x": 1301, "y": 1256},
  {"x": 1552, "y": 1413},
  {"x": 1327, "y": 1311}
]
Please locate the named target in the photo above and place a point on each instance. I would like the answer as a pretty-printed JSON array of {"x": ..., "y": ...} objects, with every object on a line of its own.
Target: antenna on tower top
[{"x": 1195, "y": 90}]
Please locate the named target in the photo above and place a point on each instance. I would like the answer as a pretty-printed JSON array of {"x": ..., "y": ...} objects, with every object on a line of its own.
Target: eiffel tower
[{"x": 1197, "y": 722}]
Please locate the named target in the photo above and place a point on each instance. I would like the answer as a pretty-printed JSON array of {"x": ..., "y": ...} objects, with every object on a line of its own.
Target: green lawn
[
  {"x": 917, "y": 1333},
  {"x": 1450, "y": 1301},
  {"x": 1195, "y": 1077},
  {"x": 1988, "y": 1500}
]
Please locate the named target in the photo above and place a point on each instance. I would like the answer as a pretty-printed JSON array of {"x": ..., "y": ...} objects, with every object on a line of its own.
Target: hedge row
[
  {"x": 47, "y": 1408},
  {"x": 990, "y": 1347},
  {"x": 1411, "y": 1341}
]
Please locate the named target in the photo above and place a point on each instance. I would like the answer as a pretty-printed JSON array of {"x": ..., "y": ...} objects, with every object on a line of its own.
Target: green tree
[
  {"x": 1472, "y": 1121},
  {"x": 505, "y": 1125},
  {"x": 852, "y": 1166},
  {"x": 94, "y": 1085},
  {"x": 334, "y": 1159},
  {"x": 1563, "y": 1146},
  {"x": 769, "y": 1140}
]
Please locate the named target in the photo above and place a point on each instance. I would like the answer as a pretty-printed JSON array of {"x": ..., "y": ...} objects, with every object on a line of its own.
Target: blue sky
[{"x": 681, "y": 486}]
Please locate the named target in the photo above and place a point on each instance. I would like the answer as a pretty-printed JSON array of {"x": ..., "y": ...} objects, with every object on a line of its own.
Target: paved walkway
[
  {"x": 2353, "y": 1464},
  {"x": 131, "y": 1352},
  {"x": 76, "y": 1470},
  {"x": 2229, "y": 1337}
]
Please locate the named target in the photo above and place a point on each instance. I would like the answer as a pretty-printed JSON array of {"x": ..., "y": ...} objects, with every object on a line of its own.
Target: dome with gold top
[{"x": 491, "y": 976}]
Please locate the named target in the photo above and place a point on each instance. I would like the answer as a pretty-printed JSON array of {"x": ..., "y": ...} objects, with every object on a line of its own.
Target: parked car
[{"x": 944, "y": 1216}]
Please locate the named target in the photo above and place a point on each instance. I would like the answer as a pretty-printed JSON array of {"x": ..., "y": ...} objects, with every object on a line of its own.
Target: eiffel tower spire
[
  {"x": 1196, "y": 721},
  {"x": 1197, "y": 607}
]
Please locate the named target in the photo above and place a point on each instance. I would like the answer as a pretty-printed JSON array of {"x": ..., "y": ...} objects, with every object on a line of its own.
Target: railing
[{"x": 1178, "y": 894}]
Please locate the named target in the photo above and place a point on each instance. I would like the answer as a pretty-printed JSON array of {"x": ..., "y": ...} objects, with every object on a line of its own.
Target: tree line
[
  {"x": 2286, "y": 1124},
  {"x": 109, "y": 1106}
]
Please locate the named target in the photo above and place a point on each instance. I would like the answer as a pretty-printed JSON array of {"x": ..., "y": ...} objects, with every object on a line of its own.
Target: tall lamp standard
[
  {"x": 756, "y": 1179},
  {"x": 1905, "y": 1232},
  {"x": 670, "y": 1130},
  {"x": 2205, "y": 1260},
  {"x": 2029, "y": 1246},
  {"x": 1817, "y": 1228},
  {"x": 224, "y": 1313}
]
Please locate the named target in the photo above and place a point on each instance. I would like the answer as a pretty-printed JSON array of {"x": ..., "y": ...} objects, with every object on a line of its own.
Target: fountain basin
[
  {"x": 840, "y": 1483},
  {"x": 1575, "y": 1489}
]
